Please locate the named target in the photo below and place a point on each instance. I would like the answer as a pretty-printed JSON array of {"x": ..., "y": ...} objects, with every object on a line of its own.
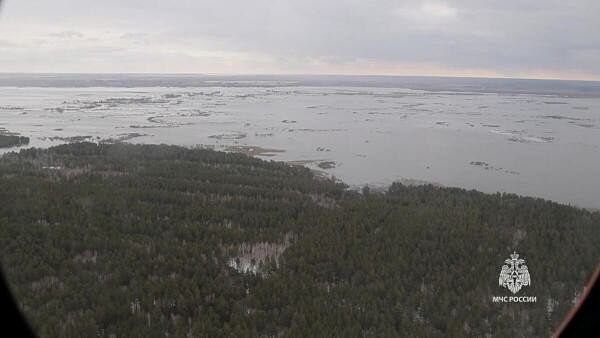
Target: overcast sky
[{"x": 493, "y": 38}]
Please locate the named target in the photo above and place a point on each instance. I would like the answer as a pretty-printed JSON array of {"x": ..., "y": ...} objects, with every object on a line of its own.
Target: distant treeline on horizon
[{"x": 569, "y": 88}]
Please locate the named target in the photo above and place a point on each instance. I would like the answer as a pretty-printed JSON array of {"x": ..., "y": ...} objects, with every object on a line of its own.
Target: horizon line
[{"x": 302, "y": 74}]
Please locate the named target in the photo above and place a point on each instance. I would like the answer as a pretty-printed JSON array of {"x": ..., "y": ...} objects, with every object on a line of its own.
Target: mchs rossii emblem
[{"x": 514, "y": 275}]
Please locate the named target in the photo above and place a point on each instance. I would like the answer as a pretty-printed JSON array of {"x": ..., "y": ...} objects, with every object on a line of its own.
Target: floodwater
[{"x": 543, "y": 143}]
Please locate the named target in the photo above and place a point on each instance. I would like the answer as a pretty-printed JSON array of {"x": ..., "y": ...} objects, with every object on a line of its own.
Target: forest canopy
[{"x": 148, "y": 240}]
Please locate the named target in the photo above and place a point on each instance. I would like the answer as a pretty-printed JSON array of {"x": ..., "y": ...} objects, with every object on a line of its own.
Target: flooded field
[{"x": 544, "y": 144}]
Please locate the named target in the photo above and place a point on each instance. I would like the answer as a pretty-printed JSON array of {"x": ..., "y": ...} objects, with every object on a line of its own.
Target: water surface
[{"x": 535, "y": 138}]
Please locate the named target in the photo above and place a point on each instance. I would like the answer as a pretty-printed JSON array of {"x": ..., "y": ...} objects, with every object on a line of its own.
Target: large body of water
[{"x": 534, "y": 138}]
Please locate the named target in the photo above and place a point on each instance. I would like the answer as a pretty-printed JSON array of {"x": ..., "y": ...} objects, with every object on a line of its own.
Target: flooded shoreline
[{"x": 534, "y": 145}]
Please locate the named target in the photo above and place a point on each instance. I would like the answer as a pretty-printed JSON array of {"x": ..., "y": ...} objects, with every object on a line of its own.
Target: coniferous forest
[{"x": 120, "y": 240}]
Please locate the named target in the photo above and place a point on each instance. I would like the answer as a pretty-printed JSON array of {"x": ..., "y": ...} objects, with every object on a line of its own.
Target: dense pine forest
[{"x": 120, "y": 240}]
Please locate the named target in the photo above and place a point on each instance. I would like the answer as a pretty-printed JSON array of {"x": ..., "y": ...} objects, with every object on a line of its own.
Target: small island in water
[{"x": 9, "y": 140}]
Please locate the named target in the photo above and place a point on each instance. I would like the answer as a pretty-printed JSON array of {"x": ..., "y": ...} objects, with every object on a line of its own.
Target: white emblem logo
[{"x": 514, "y": 274}]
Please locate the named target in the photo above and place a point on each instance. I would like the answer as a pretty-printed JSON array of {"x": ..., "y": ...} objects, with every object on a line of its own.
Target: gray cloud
[{"x": 494, "y": 36}]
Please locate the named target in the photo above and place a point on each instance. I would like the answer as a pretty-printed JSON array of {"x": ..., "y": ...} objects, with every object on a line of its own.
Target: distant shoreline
[
  {"x": 319, "y": 174},
  {"x": 507, "y": 86}
]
